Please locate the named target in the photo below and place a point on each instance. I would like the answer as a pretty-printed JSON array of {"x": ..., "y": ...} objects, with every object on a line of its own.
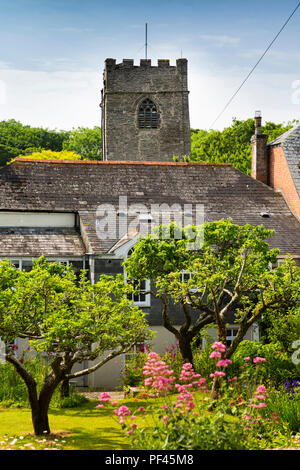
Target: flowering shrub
[
  {"x": 278, "y": 366},
  {"x": 133, "y": 370},
  {"x": 178, "y": 417}
]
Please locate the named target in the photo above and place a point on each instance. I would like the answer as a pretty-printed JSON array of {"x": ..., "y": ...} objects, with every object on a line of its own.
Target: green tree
[
  {"x": 70, "y": 321},
  {"x": 229, "y": 273},
  {"x": 15, "y": 138},
  {"x": 233, "y": 144},
  {"x": 86, "y": 142},
  {"x": 50, "y": 155},
  {"x": 281, "y": 327}
]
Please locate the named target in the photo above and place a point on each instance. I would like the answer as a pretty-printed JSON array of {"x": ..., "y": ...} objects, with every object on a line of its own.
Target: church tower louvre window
[{"x": 147, "y": 115}]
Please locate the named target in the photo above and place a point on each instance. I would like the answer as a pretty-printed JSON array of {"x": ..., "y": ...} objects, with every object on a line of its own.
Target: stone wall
[{"x": 125, "y": 87}]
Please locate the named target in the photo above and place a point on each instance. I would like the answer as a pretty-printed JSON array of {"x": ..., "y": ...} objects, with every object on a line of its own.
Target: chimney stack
[{"x": 259, "y": 164}]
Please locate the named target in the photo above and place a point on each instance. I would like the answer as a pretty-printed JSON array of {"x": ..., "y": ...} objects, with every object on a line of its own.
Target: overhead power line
[{"x": 257, "y": 63}]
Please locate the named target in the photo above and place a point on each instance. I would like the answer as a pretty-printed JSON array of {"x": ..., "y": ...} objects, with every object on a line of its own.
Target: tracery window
[{"x": 147, "y": 115}]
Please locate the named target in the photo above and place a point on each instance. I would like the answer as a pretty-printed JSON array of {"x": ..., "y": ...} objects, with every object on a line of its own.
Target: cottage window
[
  {"x": 147, "y": 115},
  {"x": 230, "y": 335},
  {"x": 136, "y": 349},
  {"x": 141, "y": 296}
]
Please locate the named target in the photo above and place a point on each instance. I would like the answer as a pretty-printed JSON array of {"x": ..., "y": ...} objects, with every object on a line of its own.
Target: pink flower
[
  {"x": 100, "y": 406},
  {"x": 123, "y": 411},
  {"x": 260, "y": 397},
  {"x": 247, "y": 358},
  {"x": 261, "y": 389},
  {"x": 260, "y": 405},
  {"x": 105, "y": 397},
  {"x": 258, "y": 360},
  {"x": 224, "y": 363},
  {"x": 130, "y": 431},
  {"x": 165, "y": 419},
  {"x": 215, "y": 354},
  {"x": 219, "y": 346},
  {"x": 219, "y": 373},
  {"x": 114, "y": 403},
  {"x": 141, "y": 409}
]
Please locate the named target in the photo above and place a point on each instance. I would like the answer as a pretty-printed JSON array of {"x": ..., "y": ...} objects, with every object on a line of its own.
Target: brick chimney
[{"x": 259, "y": 164}]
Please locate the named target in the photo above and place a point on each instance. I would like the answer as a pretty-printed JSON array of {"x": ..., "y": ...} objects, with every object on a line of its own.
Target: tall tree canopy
[
  {"x": 233, "y": 144},
  {"x": 72, "y": 321},
  {"x": 86, "y": 142},
  {"x": 16, "y": 138},
  {"x": 229, "y": 274}
]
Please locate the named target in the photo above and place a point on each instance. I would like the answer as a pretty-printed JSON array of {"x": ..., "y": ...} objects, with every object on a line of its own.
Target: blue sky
[{"x": 52, "y": 56}]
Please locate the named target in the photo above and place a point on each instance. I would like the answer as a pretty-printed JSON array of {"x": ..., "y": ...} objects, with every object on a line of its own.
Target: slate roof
[
  {"x": 81, "y": 186},
  {"x": 36, "y": 241},
  {"x": 290, "y": 143}
]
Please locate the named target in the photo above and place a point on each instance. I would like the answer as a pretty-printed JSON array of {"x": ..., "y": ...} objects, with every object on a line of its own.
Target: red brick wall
[{"x": 280, "y": 178}]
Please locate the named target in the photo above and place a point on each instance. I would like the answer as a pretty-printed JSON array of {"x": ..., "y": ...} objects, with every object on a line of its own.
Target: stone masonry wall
[{"x": 125, "y": 87}]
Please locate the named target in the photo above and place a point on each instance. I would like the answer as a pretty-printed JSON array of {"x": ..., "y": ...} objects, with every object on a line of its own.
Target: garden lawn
[{"x": 82, "y": 428}]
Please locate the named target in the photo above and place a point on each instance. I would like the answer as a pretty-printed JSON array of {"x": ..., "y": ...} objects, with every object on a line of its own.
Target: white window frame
[
  {"x": 231, "y": 336},
  {"x": 147, "y": 302},
  {"x": 129, "y": 354},
  {"x": 190, "y": 275},
  {"x": 66, "y": 261}
]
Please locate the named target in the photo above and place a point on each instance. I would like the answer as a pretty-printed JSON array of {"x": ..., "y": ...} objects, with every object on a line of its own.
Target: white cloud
[
  {"x": 68, "y": 99},
  {"x": 52, "y": 99},
  {"x": 270, "y": 93}
]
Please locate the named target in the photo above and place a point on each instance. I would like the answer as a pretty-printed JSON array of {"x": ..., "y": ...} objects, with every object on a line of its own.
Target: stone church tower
[{"x": 145, "y": 113}]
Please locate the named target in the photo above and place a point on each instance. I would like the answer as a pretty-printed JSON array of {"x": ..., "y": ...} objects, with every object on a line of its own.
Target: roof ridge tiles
[{"x": 116, "y": 162}]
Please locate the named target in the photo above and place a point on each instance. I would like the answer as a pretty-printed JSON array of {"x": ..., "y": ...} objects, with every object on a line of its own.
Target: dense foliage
[
  {"x": 229, "y": 273},
  {"x": 231, "y": 145},
  {"x": 50, "y": 155},
  {"x": 67, "y": 320},
  {"x": 171, "y": 412},
  {"x": 17, "y": 139},
  {"x": 86, "y": 142}
]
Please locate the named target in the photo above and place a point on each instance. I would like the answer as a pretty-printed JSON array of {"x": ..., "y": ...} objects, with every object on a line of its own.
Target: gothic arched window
[{"x": 147, "y": 115}]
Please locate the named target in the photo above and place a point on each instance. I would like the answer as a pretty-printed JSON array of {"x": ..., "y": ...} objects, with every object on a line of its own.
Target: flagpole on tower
[{"x": 146, "y": 40}]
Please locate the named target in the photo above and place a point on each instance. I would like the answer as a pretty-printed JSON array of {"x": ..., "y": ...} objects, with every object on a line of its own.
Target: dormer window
[{"x": 147, "y": 115}]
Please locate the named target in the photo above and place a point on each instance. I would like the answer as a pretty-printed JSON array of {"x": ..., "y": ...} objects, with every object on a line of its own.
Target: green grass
[{"x": 83, "y": 428}]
